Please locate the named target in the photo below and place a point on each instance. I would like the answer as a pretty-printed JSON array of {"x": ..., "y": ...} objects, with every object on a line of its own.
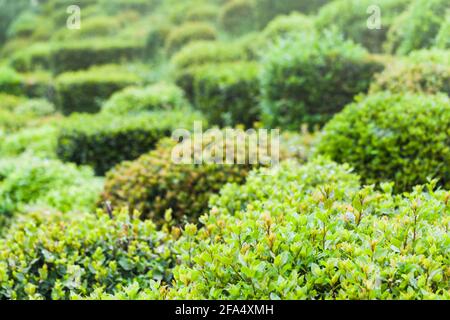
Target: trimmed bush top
[{"x": 404, "y": 138}]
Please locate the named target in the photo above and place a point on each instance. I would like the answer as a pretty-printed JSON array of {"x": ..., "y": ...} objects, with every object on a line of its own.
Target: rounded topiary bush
[
  {"x": 238, "y": 16},
  {"x": 85, "y": 91},
  {"x": 160, "y": 96},
  {"x": 416, "y": 76},
  {"x": 28, "y": 181},
  {"x": 443, "y": 37},
  {"x": 228, "y": 94},
  {"x": 156, "y": 39},
  {"x": 393, "y": 137},
  {"x": 188, "y": 32},
  {"x": 161, "y": 180},
  {"x": 266, "y": 10},
  {"x": 204, "y": 52},
  {"x": 104, "y": 140},
  {"x": 310, "y": 232},
  {"x": 309, "y": 77},
  {"x": 155, "y": 182},
  {"x": 203, "y": 13},
  {"x": 434, "y": 55},
  {"x": 288, "y": 24},
  {"x": 351, "y": 17},
  {"x": 54, "y": 256},
  {"x": 418, "y": 27}
]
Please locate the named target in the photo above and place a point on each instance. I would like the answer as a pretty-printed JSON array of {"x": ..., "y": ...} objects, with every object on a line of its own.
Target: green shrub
[
  {"x": 103, "y": 141},
  {"x": 18, "y": 112},
  {"x": 39, "y": 141},
  {"x": 203, "y": 13},
  {"x": 84, "y": 91},
  {"x": 436, "y": 56},
  {"x": 118, "y": 6},
  {"x": 37, "y": 84},
  {"x": 11, "y": 122},
  {"x": 159, "y": 96},
  {"x": 37, "y": 56},
  {"x": 228, "y": 94},
  {"x": 309, "y": 77},
  {"x": 98, "y": 254},
  {"x": 266, "y": 10},
  {"x": 204, "y": 52},
  {"x": 418, "y": 27},
  {"x": 287, "y": 25},
  {"x": 10, "y": 81},
  {"x": 309, "y": 232},
  {"x": 414, "y": 76},
  {"x": 9, "y": 10},
  {"x": 443, "y": 37},
  {"x": 29, "y": 181},
  {"x": 186, "y": 33},
  {"x": 77, "y": 55},
  {"x": 351, "y": 17},
  {"x": 156, "y": 39},
  {"x": 393, "y": 137},
  {"x": 35, "y": 107},
  {"x": 10, "y": 102},
  {"x": 23, "y": 25},
  {"x": 92, "y": 27},
  {"x": 159, "y": 180},
  {"x": 238, "y": 17}
]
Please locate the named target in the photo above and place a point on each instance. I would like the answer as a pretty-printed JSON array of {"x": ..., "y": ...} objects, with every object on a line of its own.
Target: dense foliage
[
  {"x": 28, "y": 182},
  {"x": 156, "y": 97},
  {"x": 98, "y": 253},
  {"x": 352, "y": 18},
  {"x": 134, "y": 161},
  {"x": 311, "y": 232},
  {"x": 309, "y": 77},
  {"x": 393, "y": 137},
  {"x": 103, "y": 141},
  {"x": 228, "y": 94},
  {"x": 418, "y": 27},
  {"x": 84, "y": 91}
]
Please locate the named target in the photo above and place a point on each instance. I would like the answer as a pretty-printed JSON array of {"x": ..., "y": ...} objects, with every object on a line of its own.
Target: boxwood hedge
[
  {"x": 98, "y": 254},
  {"x": 188, "y": 32},
  {"x": 416, "y": 76},
  {"x": 205, "y": 52},
  {"x": 104, "y": 140},
  {"x": 78, "y": 55},
  {"x": 309, "y": 77},
  {"x": 311, "y": 232},
  {"x": 159, "y": 96},
  {"x": 27, "y": 182},
  {"x": 228, "y": 94},
  {"x": 155, "y": 182},
  {"x": 393, "y": 137},
  {"x": 238, "y": 17},
  {"x": 351, "y": 16},
  {"x": 84, "y": 91},
  {"x": 418, "y": 27}
]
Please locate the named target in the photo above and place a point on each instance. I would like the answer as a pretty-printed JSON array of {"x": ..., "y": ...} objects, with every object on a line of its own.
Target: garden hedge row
[
  {"x": 228, "y": 94},
  {"x": 103, "y": 141},
  {"x": 308, "y": 77},
  {"x": 311, "y": 232},
  {"x": 159, "y": 96},
  {"x": 351, "y": 17},
  {"x": 159, "y": 180},
  {"x": 27, "y": 182},
  {"x": 418, "y": 27},
  {"x": 85, "y": 91},
  {"x": 402, "y": 138}
]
